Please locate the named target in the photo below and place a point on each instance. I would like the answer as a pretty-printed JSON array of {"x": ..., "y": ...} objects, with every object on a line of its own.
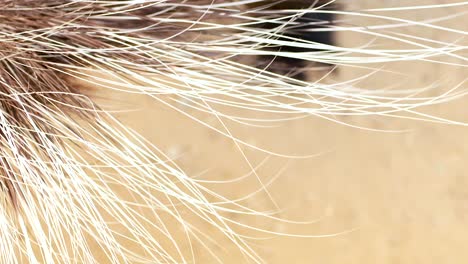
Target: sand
[{"x": 398, "y": 195}]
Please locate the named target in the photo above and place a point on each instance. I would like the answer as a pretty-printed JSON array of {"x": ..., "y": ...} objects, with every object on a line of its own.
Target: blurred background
[{"x": 373, "y": 189}]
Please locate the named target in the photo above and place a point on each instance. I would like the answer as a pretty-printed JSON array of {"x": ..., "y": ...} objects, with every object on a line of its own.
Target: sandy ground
[{"x": 389, "y": 197}]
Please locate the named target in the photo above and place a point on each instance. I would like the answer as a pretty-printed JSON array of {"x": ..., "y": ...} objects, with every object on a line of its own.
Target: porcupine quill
[{"x": 62, "y": 157}]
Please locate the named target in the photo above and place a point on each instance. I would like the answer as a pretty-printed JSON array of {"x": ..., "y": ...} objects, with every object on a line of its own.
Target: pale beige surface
[{"x": 403, "y": 195}]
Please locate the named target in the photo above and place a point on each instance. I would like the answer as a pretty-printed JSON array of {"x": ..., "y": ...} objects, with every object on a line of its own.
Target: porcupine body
[{"x": 64, "y": 158}]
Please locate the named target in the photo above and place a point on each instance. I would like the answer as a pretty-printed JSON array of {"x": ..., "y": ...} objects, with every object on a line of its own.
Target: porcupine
[{"x": 64, "y": 157}]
